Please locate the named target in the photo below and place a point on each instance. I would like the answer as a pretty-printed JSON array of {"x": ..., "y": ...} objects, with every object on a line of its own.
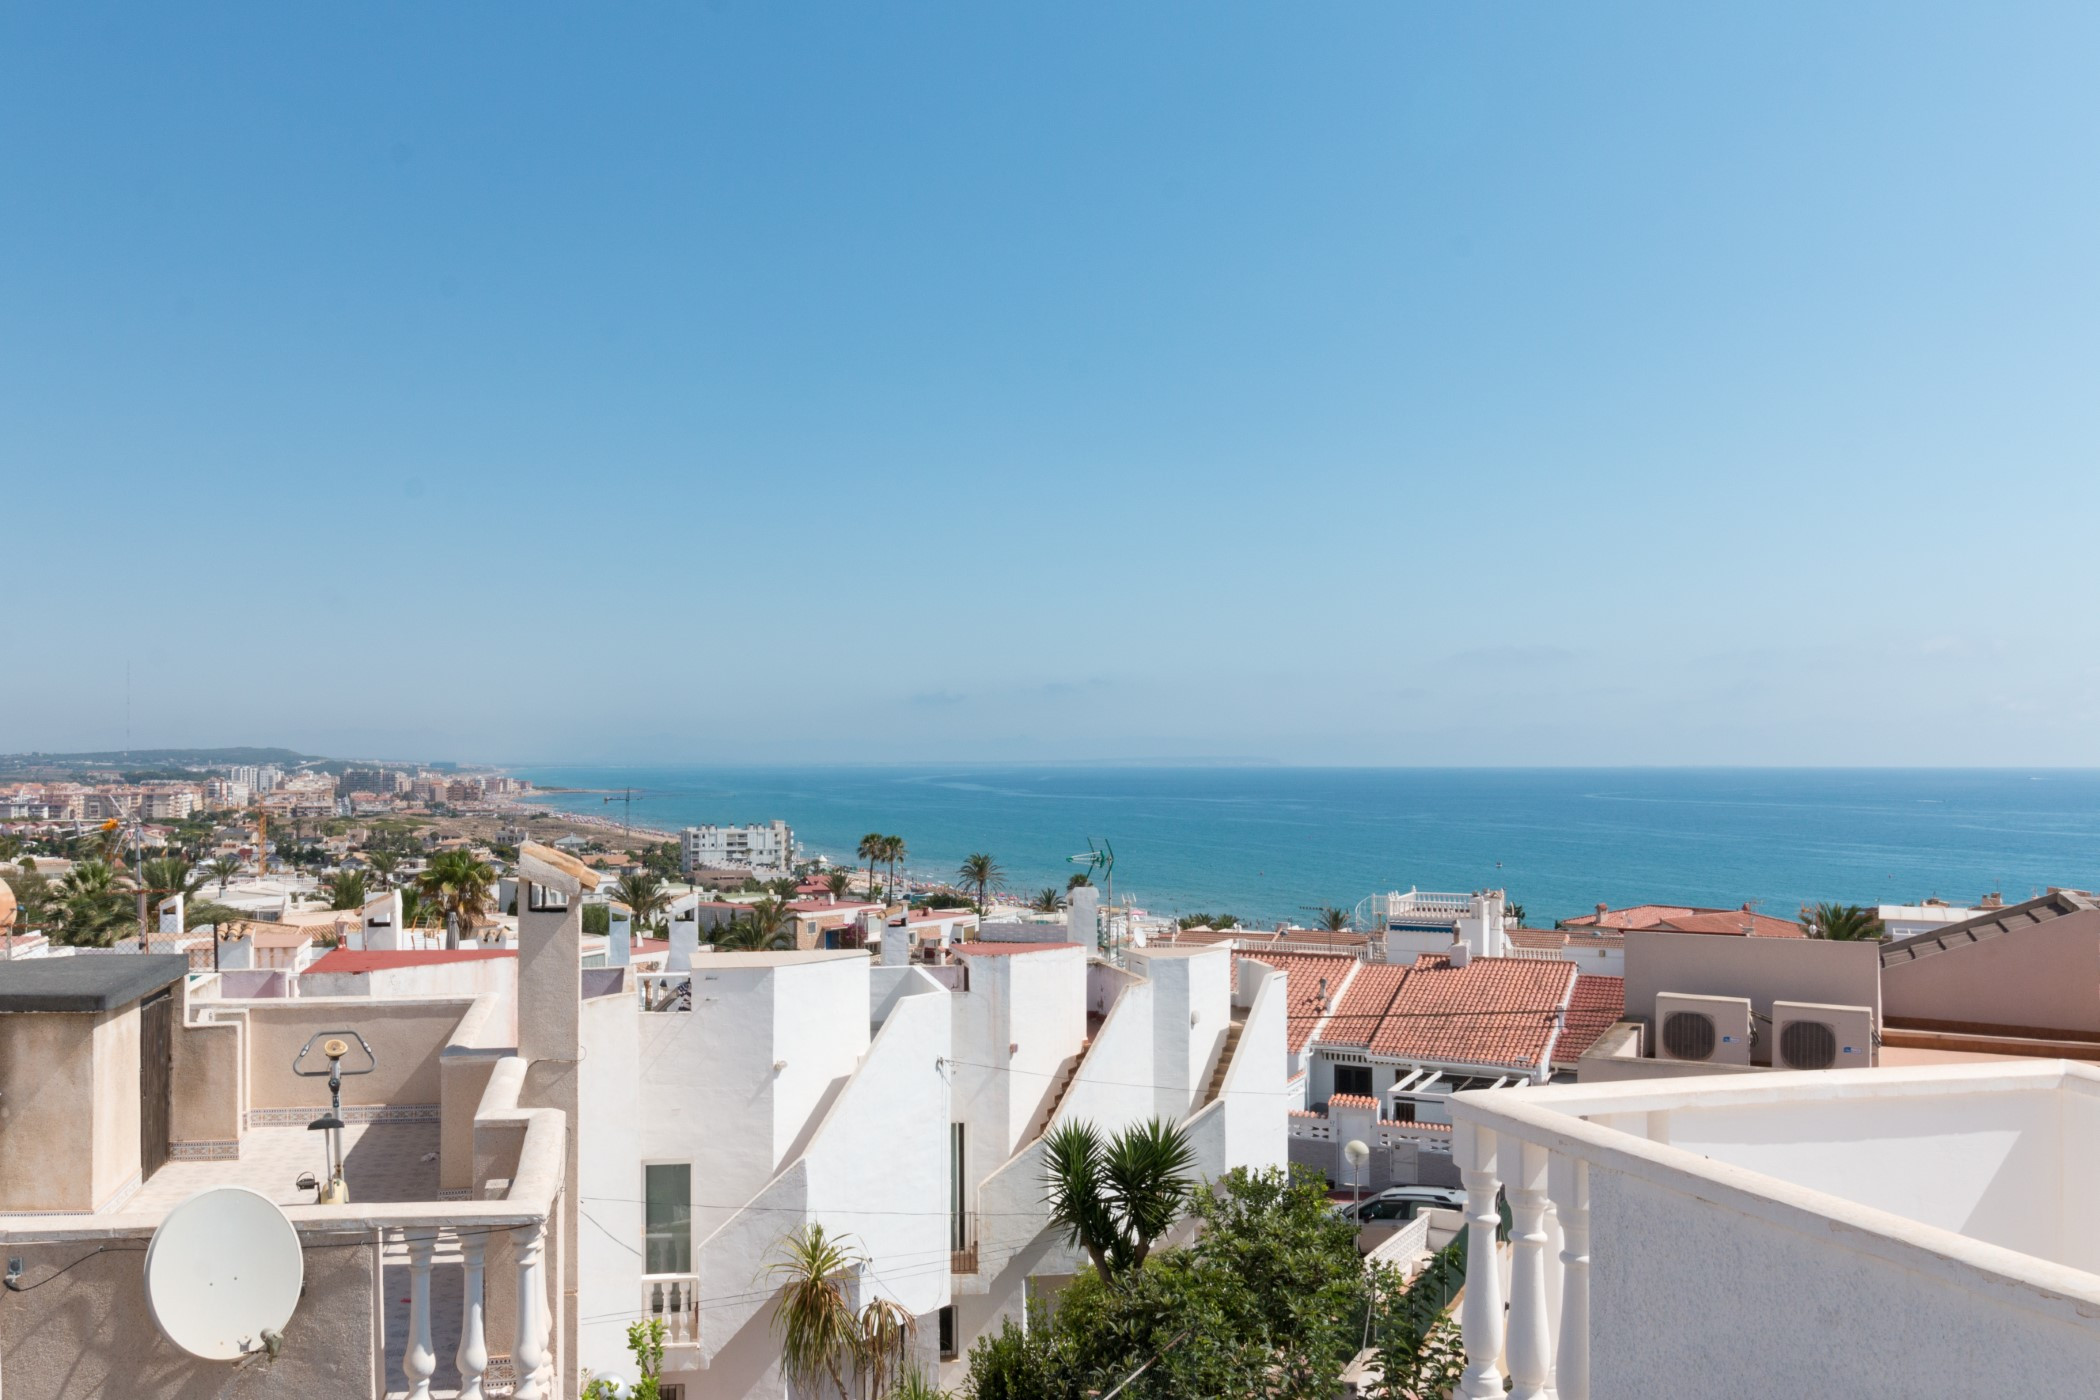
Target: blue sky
[{"x": 1351, "y": 383}]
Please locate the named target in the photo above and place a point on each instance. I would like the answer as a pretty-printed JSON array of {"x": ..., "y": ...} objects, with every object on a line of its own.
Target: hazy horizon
[{"x": 1601, "y": 386}]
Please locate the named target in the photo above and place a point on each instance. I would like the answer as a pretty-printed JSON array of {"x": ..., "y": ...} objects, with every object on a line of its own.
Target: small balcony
[
  {"x": 962, "y": 1248},
  {"x": 675, "y": 1299}
]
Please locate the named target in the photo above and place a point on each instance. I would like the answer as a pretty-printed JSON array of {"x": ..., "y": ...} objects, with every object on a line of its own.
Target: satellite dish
[{"x": 223, "y": 1269}]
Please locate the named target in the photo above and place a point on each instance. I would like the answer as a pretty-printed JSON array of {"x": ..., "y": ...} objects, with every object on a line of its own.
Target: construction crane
[
  {"x": 627, "y": 800},
  {"x": 1103, "y": 859}
]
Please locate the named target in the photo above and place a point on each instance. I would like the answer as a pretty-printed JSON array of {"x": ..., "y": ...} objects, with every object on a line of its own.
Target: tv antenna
[
  {"x": 223, "y": 1274},
  {"x": 1103, "y": 859},
  {"x": 332, "y": 1192}
]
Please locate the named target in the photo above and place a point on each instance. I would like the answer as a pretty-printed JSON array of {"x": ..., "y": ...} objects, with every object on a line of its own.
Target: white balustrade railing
[
  {"x": 675, "y": 1298},
  {"x": 1543, "y": 1337}
]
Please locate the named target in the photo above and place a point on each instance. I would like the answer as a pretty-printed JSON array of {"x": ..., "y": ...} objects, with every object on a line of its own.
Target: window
[
  {"x": 541, "y": 900},
  {"x": 958, "y": 1226},
  {"x": 1352, "y": 1079},
  {"x": 950, "y": 1344},
  {"x": 667, "y": 1220}
]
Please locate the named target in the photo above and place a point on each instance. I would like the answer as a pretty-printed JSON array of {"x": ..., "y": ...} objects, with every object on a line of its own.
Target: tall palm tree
[
  {"x": 345, "y": 889},
  {"x": 223, "y": 869},
  {"x": 645, "y": 895},
  {"x": 93, "y": 905},
  {"x": 458, "y": 884},
  {"x": 744, "y": 936},
  {"x": 165, "y": 876},
  {"x": 1847, "y": 923},
  {"x": 894, "y": 850},
  {"x": 981, "y": 870},
  {"x": 871, "y": 849},
  {"x": 1116, "y": 1197},
  {"x": 383, "y": 864}
]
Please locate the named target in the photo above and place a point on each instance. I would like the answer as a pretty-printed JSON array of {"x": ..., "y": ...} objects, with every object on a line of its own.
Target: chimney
[
  {"x": 1460, "y": 953},
  {"x": 1322, "y": 1003},
  {"x": 1602, "y": 910},
  {"x": 1993, "y": 900}
]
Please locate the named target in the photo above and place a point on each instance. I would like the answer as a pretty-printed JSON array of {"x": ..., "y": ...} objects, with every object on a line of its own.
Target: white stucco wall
[
  {"x": 1689, "y": 1298},
  {"x": 609, "y": 1180}
]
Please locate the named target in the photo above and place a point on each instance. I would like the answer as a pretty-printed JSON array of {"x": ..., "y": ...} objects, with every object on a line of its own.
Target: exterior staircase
[{"x": 1217, "y": 1076}]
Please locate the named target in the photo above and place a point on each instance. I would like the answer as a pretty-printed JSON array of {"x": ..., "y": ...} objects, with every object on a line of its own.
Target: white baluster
[
  {"x": 529, "y": 1353},
  {"x": 1480, "y": 1316},
  {"x": 473, "y": 1343},
  {"x": 1569, "y": 1181},
  {"x": 419, "y": 1360},
  {"x": 1530, "y": 1343}
]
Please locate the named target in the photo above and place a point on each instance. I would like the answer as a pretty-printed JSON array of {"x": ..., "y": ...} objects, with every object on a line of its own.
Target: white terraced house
[{"x": 548, "y": 1151}]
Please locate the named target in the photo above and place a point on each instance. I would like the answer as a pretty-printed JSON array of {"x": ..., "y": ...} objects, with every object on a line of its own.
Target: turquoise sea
[{"x": 1269, "y": 843}]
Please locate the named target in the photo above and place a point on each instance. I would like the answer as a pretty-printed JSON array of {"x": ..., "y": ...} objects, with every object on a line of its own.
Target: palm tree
[
  {"x": 1047, "y": 901},
  {"x": 458, "y": 885},
  {"x": 837, "y": 882},
  {"x": 94, "y": 903},
  {"x": 645, "y": 895},
  {"x": 981, "y": 870},
  {"x": 821, "y": 1337},
  {"x": 345, "y": 889},
  {"x": 416, "y": 911},
  {"x": 871, "y": 849},
  {"x": 383, "y": 864},
  {"x": 1115, "y": 1198},
  {"x": 1846, "y": 923},
  {"x": 818, "y": 1331},
  {"x": 1334, "y": 920},
  {"x": 169, "y": 875},
  {"x": 223, "y": 869},
  {"x": 894, "y": 850},
  {"x": 1082, "y": 878},
  {"x": 1515, "y": 914}
]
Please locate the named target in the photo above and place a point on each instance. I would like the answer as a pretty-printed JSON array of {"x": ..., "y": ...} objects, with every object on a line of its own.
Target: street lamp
[{"x": 1358, "y": 1154}]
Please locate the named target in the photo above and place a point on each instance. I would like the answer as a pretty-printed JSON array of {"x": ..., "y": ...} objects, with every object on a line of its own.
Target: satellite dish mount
[{"x": 334, "y": 1045}]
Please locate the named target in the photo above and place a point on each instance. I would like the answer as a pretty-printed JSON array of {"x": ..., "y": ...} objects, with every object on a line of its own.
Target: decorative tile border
[
  {"x": 352, "y": 1113},
  {"x": 205, "y": 1151}
]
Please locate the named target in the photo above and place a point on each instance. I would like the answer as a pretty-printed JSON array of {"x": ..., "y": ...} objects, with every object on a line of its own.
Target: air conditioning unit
[
  {"x": 1705, "y": 1030},
  {"x": 1808, "y": 1035}
]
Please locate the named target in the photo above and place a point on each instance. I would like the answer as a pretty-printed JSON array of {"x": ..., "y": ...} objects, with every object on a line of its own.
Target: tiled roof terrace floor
[{"x": 382, "y": 1162}]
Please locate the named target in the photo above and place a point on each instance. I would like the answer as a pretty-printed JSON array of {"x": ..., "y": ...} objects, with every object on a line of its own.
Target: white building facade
[{"x": 767, "y": 848}]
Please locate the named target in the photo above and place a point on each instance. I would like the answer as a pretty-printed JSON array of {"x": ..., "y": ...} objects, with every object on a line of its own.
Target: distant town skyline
[{"x": 1613, "y": 384}]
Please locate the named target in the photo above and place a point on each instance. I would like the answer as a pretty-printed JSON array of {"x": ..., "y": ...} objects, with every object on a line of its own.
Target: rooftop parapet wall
[
  {"x": 1950, "y": 1176},
  {"x": 85, "y": 1334}
]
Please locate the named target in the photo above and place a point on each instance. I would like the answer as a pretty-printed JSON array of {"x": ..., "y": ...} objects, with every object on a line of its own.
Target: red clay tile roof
[
  {"x": 349, "y": 960},
  {"x": 1637, "y": 916},
  {"x": 1683, "y": 918},
  {"x": 1363, "y": 1006},
  {"x": 1351, "y": 1101},
  {"x": 1498, "y": 1012},
  {"x": 1598, "y": 1002},
  {"x": 1301, "y": 992},
  {"x": 1736, "y": 922}
]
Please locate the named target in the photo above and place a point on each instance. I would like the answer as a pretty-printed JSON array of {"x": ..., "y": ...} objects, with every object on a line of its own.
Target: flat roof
[
  {"x": 87, "y": 981},
  {"x": 703, "y": 962},
  {"x": 1004, "y": 950},
  {"x": 351, "y": 960}
]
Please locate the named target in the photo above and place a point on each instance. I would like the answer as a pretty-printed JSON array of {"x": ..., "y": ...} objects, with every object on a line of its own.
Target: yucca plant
[
  {"x": 819, "y": 1333},
  {"x": 1116, "y": 1197}
]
